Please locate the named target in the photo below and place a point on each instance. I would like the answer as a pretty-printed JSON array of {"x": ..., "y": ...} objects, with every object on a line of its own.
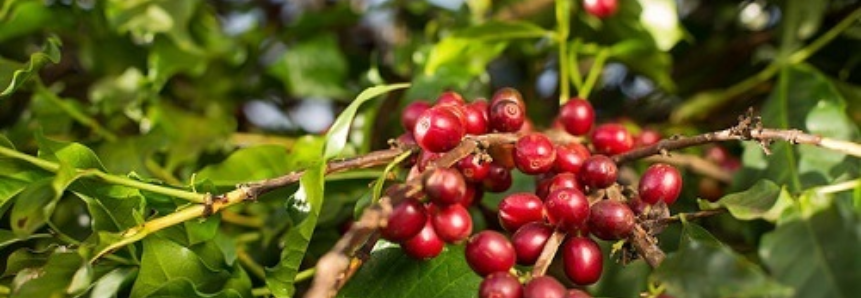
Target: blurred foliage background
[{"x": 208, "y": 94}]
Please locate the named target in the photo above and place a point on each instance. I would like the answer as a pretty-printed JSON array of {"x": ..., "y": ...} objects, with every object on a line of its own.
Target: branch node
[{"x": 209, "y": 200}]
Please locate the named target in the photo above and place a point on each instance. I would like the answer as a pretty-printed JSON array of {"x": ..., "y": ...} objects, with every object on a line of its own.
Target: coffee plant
[{"x": 505, "y": 149}]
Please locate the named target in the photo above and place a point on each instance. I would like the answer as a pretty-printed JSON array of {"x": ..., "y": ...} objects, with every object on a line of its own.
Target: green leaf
[
  {"x": 7, "y": 238},
  {"x": 800, "y": 21},
  {"x": 165, "y": 263},
  {"x": 24, "y": 258},
  {"x": 309, "y": 200},
  {"x": 818, "y": 255},
  {"x": 145, "y": 19},
  {"x": 313, "y": 68},
  {"x": 13, "y": 75},
  {"x": 248, "y": 164},
  {"x": 109, "y": 284},
  {"x": 73, "y": 154},
  {"x": 111, "y": 208},
  {"x": 184, "y": 144},
  {"x": 51, "y": 280},
  {"x": 803, "y": 99},
  {"x": 391, "y": 273},
  {"x": 336, "y": 138},
  {"x": 700, "y": 255},
  {"x": 502, "y": 30},
  {"x": 460, "y": 55},
  {"x": 36, "y": 203},
  {"x": 660, "y": 19},
  {"x": 764, "y": 200}
]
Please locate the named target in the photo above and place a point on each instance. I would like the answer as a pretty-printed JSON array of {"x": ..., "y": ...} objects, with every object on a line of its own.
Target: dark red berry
[
  {"x": 469, "y": 196},
  {"x": 611, "y": 220},
  {"x": 498, "y": 179},
  {"x": 570, "y": 158},
  {"x": 647, "y": 137},
  {"x": 527, "y": 127},
  {"x": 450, "y": 98},
  {"x": 452, "y": 223},
  {"x": 444, "y": 186},
  {"x": 411, "y": 114},
  {"x": 508, "y": 94},
  {"x": 534, "y": 154},
  {"x": 406, "y": 220},
  {"x": 506, "y": 116},
  {"x": 660, "y": 182},
  {"x": 583, "y": 260},
  {"x": 488, "y": 252},
  {"x": 519, "y": 209},
  {"x": 576, "y": 293},
  {"x": 439, "y": 129},
  {"x": 473, "y": 168},
  {"x": 577, "y": 116},
  {"x": 637, "y": 205},
  {"x": 612, "y": 139},
  {"x": 529, "y": 241},
  {"x": 476, "y": 118},
  {"x": 500, "y": 285},
  {"x": 600, "y": 8},
  {"x": 598, "y": 171},
  {"x": 567, "y": 208},
  {"x": 563, "y": 180},
  {"x": 544, "y": 287},
  {"x": 425, "y": 245}
]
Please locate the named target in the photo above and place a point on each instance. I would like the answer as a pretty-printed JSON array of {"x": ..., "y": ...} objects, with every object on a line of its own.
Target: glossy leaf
[
  {"x": 336, "y": 138},
  {"x": 145, "y": 19},
  {"x": 14, "y": 75},
  {"x": 51, "y": 280},
  {"x": 166, "y": 263},
  {"x": 729, "y": 274},
  {"x": 764, "y": 200},
  {"x": 391, "y": 273},
  {"x": 803, "y": 99},
  {"x": 109, "y": 284},
  {"x": 816, "y": 255},
  {"x": 313, "y": 68}
]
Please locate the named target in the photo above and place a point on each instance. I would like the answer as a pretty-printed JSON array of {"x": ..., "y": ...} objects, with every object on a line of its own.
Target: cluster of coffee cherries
[{"x": 569, "y": 181}]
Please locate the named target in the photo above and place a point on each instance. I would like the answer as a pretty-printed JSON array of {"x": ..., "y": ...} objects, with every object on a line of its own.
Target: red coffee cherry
[
  {"x": 489, "y": 252},
  {"x": 519, "y": 209},
  {"x": 406, "y": 220},
  {"x": 647, "y": 137},
  {"x": 500, "y": 285},
  {"x": 498, "y": 179},
  {"x": 444, "y": 186},
  {"x": 570, "y": 158},
  {"x": 598, "y": 171},
  {"x": 529, "y": 241},
  {"x": 563, "y": 180},
  {"x": 508, "y": 94},
  {"x": 473, "y": 169},
  {"x": 583, "y": 260},
  {"x": 660, "y": 182},
  {"x": 476, "y": 118},
  {"x": 567, "y": 208},
  {"x": 469, "y": 196},
  {"x": 439, "y": 129},
  {"x": 452, "y": 223},
  {"x": 544, "y": 287},
  {"x": 425, "y": 245},
  {"x": 506, "y": 116},
  {"x": 450, "y": 98},
  {"x": 534, "y": 154},
  {"x": 612, "y": 139},
  {"x": 411, "y": 114},
  {"x": 600, "y": 8},
  {"x": 611, "y": 220},
  {"x": 577, "y": 116},
  {"x": 575, "y": 293}
]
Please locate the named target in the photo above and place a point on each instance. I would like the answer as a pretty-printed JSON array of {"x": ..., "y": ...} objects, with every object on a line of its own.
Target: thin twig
[{"x": 548, "y": 253}]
